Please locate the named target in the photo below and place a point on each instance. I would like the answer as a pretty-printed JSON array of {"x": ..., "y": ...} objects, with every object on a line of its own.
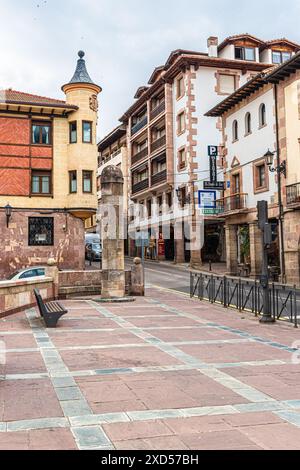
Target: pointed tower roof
[{"x": 81, "y": 74}]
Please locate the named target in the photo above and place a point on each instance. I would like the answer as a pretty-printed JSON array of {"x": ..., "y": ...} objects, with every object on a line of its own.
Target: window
[
  {"x": 226, "y": 84},
  {"x": 41, "y": 133},
  {"x": 160, "y": 204},
  {"x": 179, "y": 87},
  {"x": 149, "y": 207},
  {"x": 73, "y": 181},
  {"x": 87, "y": 132},
  {"x": 181, "y": 123},
  {"x": 235, "y": 131},
  {"x": 73, "y": 132},
  {"x": 159, "y": 166},
  {"x": 170, "y": 200},
  {"x": 140, "y": 176},
  {"x": 87, "y": 181},
  {"x": 182, "y": 158},
  {"x": 41, "y": 182},
  {"x": 248, "y": 128},
  {"x": 245, "y": 53},
  {"x": 279, "y": 57},
  {"x": 40, "y": 231},
  {"x": 262, "y": 115},
  {"x": 236, "y": 183},
  {"x": 260, "y": 177}
]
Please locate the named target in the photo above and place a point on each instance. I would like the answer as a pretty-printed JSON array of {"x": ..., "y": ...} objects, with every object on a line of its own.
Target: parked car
[
  {"x": 27, "y": 273},
  {"x": 93, "y": 251}
]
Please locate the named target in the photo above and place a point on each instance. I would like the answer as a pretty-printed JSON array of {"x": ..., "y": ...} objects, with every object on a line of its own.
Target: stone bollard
[
  {"x": 137, "y": 278},
  {"x": 51, "y": 270},
  {"x": 113, "y": 261}
]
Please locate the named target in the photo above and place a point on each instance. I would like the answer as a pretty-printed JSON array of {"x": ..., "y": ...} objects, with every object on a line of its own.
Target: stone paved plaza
[{"x": 164, "y": 372}]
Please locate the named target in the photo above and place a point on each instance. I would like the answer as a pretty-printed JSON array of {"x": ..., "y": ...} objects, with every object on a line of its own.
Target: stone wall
[
  {"x": 68, "y": 248},
  {"x": 16, "y": 296}
]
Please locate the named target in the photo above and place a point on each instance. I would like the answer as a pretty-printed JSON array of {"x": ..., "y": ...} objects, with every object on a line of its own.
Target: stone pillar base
[{"x": 113, "y": 284}]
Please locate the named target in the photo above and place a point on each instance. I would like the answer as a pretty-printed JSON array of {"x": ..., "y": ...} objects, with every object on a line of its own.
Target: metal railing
[
  {"x": 232, "y": 203},
  {"x": 159, "y": 177},
  {"x": 293, "y": 194},
  {"x": 246, "y": 295},
  {"x": 139, "y": 125},
  {"x": 136, "y": 188},
  {"x": 158, "y": 143},
  {"x": 139, "y": 156},
  {"x": 158, "y": 110}
]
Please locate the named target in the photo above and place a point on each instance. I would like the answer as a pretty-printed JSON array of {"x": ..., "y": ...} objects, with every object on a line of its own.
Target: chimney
[{"x": 212, "y": 44}]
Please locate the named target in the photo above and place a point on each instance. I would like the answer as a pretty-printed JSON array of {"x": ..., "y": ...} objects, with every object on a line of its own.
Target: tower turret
[{"x": 82, "y": 92}]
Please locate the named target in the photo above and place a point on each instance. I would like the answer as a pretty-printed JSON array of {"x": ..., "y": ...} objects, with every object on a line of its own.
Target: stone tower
[{"x": 82, "y": 156}]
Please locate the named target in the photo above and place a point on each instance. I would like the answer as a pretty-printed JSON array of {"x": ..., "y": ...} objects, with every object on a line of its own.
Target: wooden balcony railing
[
  {"x": 136, "y": 188},
  {"x": 139, "y": 156},
  {"x": 158, "y": 110},
  {"x": 160, "y": 177},
  {"x": 293, "y": 194},
  {"x": 157, "y": 144},
  {"x": 235, "y": 202},
  {"x": 139, "y": 125}
]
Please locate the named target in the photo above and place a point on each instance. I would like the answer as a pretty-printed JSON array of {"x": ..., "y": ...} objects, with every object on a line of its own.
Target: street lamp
[
  {"x": 280, "y": 169},
  {"x": 8, "y": 213}
]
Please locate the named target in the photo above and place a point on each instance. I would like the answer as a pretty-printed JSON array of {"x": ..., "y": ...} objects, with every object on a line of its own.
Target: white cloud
[{"x": 123, "y": 40}]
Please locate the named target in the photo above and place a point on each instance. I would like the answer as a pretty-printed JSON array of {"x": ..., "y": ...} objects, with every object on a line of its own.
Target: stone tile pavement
[{"x": 162, "y": 373}]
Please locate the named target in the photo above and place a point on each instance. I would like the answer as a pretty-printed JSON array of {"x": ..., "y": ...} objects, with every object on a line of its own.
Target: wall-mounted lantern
[{"x": 8, "y": 213}]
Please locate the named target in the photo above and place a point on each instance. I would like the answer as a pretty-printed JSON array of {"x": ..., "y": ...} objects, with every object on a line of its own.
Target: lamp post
[
  {"x": 8, "y": 213},
  {"x": 280, "y": 169}
]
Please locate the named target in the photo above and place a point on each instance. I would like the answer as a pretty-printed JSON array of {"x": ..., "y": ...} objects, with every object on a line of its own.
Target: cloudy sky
[{"x": 123, "y": 39}]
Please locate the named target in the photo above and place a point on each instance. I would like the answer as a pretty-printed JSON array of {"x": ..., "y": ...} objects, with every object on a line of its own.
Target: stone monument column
[{"x": 112, "y": 218}]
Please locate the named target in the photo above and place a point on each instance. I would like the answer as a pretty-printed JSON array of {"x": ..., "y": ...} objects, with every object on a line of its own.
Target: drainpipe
[{"x": 279, "y": 185}]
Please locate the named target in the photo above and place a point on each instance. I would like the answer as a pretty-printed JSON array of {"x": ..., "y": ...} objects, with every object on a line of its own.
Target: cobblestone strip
[
  {"x": 243, "y": 334},
  {"x": 70, "y": 397},
  {"x": 89, "y": 434}
]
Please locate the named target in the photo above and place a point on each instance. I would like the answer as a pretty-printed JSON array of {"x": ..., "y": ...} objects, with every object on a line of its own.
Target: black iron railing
[
  {"x": 157, "y": 144},
  {"x": 231, "y": 203},
  {"x": 159, "y": 177},
  {"x": 139, "y": 156},
  {"x": 136, "y": 188},
  {"x": 246, "y": 295},
  {"x": 293, "y": 194},
  {"x": 139, "y": 125},
  {"x": 158, "y": 110}
]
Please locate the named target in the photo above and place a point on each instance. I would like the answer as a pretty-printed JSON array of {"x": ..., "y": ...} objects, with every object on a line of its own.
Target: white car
[{"x": 35, "y": 271}]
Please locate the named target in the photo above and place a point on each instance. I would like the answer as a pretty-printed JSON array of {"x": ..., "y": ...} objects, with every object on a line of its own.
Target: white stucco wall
[{"x": 254, "y": 146}]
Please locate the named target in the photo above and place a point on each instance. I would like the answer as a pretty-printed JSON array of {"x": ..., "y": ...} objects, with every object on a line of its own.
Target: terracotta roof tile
[{"x": 19, "y": 97}]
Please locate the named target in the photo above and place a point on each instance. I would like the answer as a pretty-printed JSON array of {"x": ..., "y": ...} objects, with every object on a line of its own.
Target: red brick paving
[{"x": 34, "y": 399}]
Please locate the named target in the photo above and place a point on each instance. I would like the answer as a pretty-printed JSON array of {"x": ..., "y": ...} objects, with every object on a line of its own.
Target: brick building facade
[{"x": 48, "y": 164}]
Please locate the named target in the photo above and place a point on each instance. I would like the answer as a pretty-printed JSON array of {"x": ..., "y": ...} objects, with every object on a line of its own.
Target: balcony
[
  {"x": 158, "y": 110},
  {"x": 293, "y": 194},
  {"x": 139, "y": 125},
  {"x": 139, "y": 156},
  {"x": 158, "y": 178},
  {"x": 236, "y": 202},
  {"x": 157, "y": 144},
  {"x": 136, "y": 188}
]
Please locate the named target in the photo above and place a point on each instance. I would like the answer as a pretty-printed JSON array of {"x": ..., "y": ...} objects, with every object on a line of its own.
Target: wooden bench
[{"x": 51, "y": 312}]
